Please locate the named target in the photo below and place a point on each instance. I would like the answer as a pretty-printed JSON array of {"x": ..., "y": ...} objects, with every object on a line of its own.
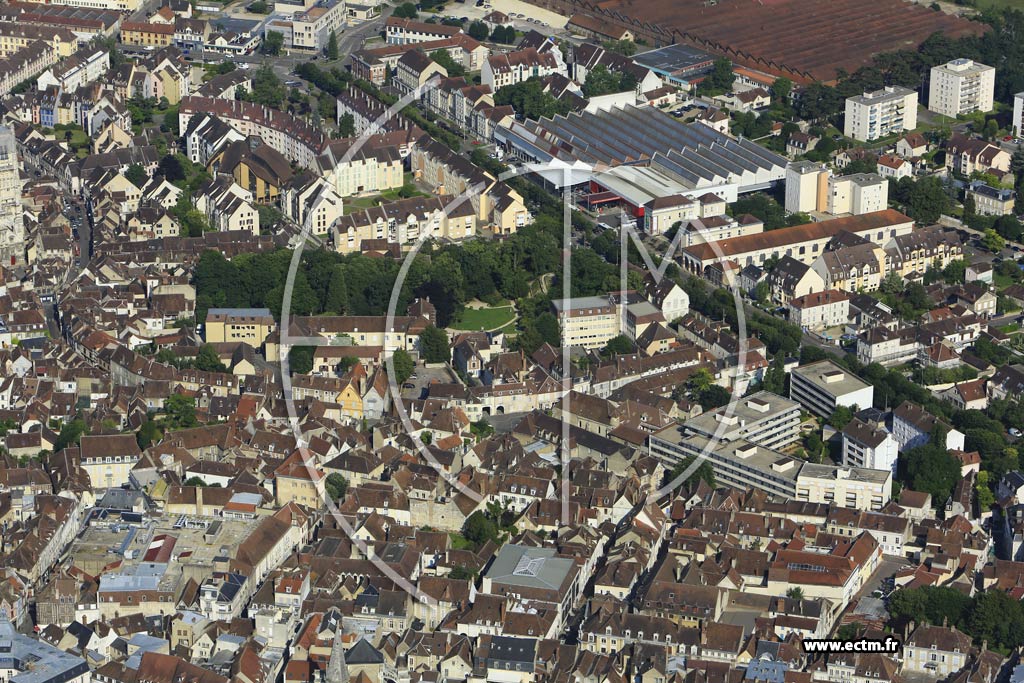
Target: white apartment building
[
  {"x": 870, "y": 446},
  {"x": 821, "y": 387},
  {"x": 877, "y": 114},
  {"x": 12, "y": 223},
  {"x": 764, "y": 418},
  {"x": 820, "y": 310},
  {"x": 588, "y": 321},
  {"x": 811, "y": 187},
  {"x": 912, "y": 426},
  {"x": 961, "y": 86},
  {"x": 1018, "y": 114},
  {"x": 742, "y": 464},
  {"x": 806, "y": 186}
]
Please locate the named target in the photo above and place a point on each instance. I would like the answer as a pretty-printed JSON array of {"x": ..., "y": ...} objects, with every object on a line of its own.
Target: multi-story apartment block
[
  {"x": 961, "y": 86},
  {"x": 870, "y": 446},
  {"x": 249, "y": 325},
  {"x": 742, "y": 464},
  {"x": 764, "y": 419},
  {"x": 1018, "y": 115},
  {"x": 404, "y": 222},
  {"x": 588, "y": 321},
  {"x": 912, "y": 426},
  {"x": 811, "y": 187},
  {"x": 925, "y": 248},
  {"x": 854, "y": 268},
  {"x": 510, "y": 68},
  {"x": 823, "y": 386},
  {"x": 873, "y": 115},
  {"x": 820, "y": 310}
]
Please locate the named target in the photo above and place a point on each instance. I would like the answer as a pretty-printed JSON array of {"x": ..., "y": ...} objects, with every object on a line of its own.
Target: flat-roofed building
[
  {"x": 534, "y": 574},
  {"x": 870, "y": 446},
  {"x": 805, "y": 243},
  {"x": 961, "y": 86},
  {"x": 250, "y": 325},
  {"x": 588, "y": 321},
  {"x": 821, "y": 387},
  {"x": 873, "y": 115},
  {"x": 763, "y": 418},
  {"x": 742, "y": 464}
]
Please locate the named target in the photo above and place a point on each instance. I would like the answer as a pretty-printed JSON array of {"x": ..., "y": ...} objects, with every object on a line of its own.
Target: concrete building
[
  {"x": 1018, "y": 114},
  {"x": 763, "y": 418},
  {"x": 820, "y": 310},
  {"x": 865, "y": 445},
  {"x": 249, "y": 325},
  {"x": 857, "y": 194},
  {"x": 881, "y": 113},
  {"x": 742, "y": 464},
  {"x": 961, "y": 86},
  {"x": 12, "y": 224},
  {"x": 821, "y": 387},
  {"x": 588, "y": 321},
  {"x": 534, "y": 574},
  {"x": 806, "y": 186}
]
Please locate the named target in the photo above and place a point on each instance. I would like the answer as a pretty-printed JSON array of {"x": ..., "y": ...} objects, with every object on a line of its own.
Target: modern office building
[
  {"x": 742, "y": 464},
  {"x": 961, "y": 86},
  {"x": 764, "y": 418},
  {"x": 821, "y": 387},
  {"x": 877, "y": 114}
]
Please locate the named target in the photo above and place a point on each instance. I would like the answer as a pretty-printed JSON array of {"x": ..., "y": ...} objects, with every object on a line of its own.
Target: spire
[{"x": 337, "y": 669}]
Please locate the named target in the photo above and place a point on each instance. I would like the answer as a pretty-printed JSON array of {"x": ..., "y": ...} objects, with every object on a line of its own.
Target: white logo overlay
[{"x": 292, "y": 338}]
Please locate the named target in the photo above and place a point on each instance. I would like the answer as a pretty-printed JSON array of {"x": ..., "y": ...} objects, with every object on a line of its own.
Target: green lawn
[
  {"x": 1009, "y": 329},
  {"x": 1001, "y": 281},
  {"x": 485, "y": 318}
]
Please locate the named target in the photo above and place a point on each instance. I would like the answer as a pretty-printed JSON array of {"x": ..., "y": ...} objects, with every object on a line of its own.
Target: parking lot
[
  {"x": 525, "y": 17},
  {"x": 422, "y": 377}
]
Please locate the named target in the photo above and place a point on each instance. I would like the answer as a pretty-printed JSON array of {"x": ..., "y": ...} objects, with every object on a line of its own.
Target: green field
[{"x": 485, "y": 318}]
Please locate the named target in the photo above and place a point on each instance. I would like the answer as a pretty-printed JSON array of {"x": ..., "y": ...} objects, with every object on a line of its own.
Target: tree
[
  {"x": 259, "y": 7},
  {"x": 434, "y": 345},
  {"x": 346, "y": 125},
  {"x": 991, "y": 129},
  {"x": 171, "y": 169},
  {"x": 332, "y": 45},
  {"x": 841, "y": 417},
  {"x": 198, "y": 482},
  {"x": 336, "y": 300},
  {"x": 478, "y": 30},
  {"x": 300, "y": 359},
  {"x": 208, "y": 360},
  {"x": 503, "y": 34},
  {"x": 626, "y": 48},
  {"x": 267, "y": 88},
  {"x": 403, "y": 364},
  {"x": 444, "y": 58},
  {"x": 618, "y": 345},
  {"x": 480, "y": 528},
  {"x": 136, "y": 175},
  {"x": 775, "y": 378},
  {"x": 148, "y": 434},
  {"x": 720, "y": 79},
  {"x": 700, "y": 380},
  {"x": 983, "y": 491},
  {"x": 335, "y": 486},
  {"x": 70, "y": 434},
  {"x": 795, "y": 593},
  {"x": 993, "y": 241},
  {"x": 546, "y": 325},
  {"x": 781, "y": 89},
  {"x": 181, "y": 411},
  {"x": 931, "y": 468},
  {"x": 703, "y": 472},
  {"x": 530, "y": 101},
  {"x": 273, "y": 42},
  {"x": 406, "y": 10}
]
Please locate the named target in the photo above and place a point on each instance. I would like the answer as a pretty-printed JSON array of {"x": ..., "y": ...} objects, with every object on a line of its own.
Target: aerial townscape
[{"x": 502, "y": 341}]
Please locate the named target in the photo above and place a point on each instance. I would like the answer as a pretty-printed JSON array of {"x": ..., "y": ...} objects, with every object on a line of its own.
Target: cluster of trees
[
  {"x": 273, "y": 43},
  {"x": 406, "y": 10},
  {"x": 909, "y": 300},
  {"x": 601, "y": 81},
  {"x": 530, "y": 100},
  {"x": 506, "y": 35},
  {"x": 768, "y": 209},
  {"x": 445, "y": 59},
  {"x": 923, "y": 199},
  {"x": 335, "y": 486},
  {"x": 720, "y": 79},
  {"x": 478, "y": 30},
  {"x": 701, "y": 387},
  {"x": 492, "y": 524},
  {"x": 991, "y": 617}
]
